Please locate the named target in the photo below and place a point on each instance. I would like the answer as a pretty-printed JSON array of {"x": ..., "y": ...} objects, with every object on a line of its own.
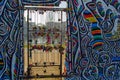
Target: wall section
[
  {"x": 93, "y": 51},
  {"x": 10, "y": 40},
  {"x": 11, "y": 36},
  {"x": 94, "y": 41}
]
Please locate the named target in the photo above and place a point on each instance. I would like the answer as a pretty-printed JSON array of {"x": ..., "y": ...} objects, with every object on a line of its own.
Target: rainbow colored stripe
[
  {"x": 95, "y": 30},
  {"x": 92, "y": 8}
]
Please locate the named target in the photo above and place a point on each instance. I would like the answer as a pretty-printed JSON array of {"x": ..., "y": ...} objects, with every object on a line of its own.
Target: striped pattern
[
  {"x": 95, "y": 31},
  {"x": 92, "y": 8},
  {"x": 1, "y": 62}
]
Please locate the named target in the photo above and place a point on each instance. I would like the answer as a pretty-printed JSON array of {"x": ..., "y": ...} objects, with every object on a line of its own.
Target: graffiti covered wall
[
  {"x": 10, "y": 40},
  {"x": 11, "y": 36},
  {"x": 94, "y": 41},
  {"x": 93, "y": 51}
]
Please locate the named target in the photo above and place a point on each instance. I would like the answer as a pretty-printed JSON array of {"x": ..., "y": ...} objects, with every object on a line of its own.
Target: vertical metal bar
[
  {"x": 61, "y": 46},
  {"x": 21, "y": 70},
  {"x": 52, "y": 39},
  {"x": 61, "y": 27},
  {"x": 69, "y": 39},
  {"x": 28, "y": 40},
  {"x": 22, "y": 48}
]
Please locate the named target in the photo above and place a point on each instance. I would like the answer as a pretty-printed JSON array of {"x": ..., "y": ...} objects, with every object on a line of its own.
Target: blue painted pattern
[
  {"x": 93, "y": 29},
  {"x": 90, "y": 55}
]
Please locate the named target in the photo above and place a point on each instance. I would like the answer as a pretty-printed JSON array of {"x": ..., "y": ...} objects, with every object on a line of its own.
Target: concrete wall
[
  {"x": 93, "y": 29},
  {"x": 93, "y": 48}
]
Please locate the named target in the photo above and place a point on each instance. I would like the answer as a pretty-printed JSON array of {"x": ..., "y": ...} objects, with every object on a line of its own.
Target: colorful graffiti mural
[
  {"x": 7, "y": 45},
  {"x": 10, "y": 40},
  {"x": 93, "y": 51},
  {"x": 93, "y": 29},
  {"x": 11, "y": 36}
]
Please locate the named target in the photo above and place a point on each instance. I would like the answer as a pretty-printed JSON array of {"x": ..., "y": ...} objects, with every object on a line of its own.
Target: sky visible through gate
[{"x": 48, "y": 16}]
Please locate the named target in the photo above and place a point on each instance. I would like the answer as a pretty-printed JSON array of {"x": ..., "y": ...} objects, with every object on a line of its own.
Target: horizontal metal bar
[
  {"x": 45, "y": 8},
  {"x": 43, "y": 76},
  {"x": 50, "y": 76},
  {"x": 42, "y": 65}
]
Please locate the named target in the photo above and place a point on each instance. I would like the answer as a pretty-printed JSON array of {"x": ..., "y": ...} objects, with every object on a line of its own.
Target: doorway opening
[{"x": 45, "y": 41}]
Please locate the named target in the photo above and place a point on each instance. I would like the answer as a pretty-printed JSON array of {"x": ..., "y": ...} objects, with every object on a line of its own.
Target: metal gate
[{"x": 45, "y": 42}]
